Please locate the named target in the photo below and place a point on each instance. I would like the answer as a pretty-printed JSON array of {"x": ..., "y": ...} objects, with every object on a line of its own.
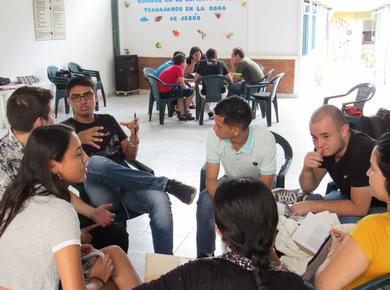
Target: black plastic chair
[
  {"x": 213, "y": 84},
  {"x": 279, "y": 181},
  {"x": 162, "y": 103},
  {"x": 76, "y": 69},
  {"x": 382, "y": 282},
  {"x": 364, "y": 93},
  {"x": 61, "y": 83},
  {"x": 266, "y": 99}
]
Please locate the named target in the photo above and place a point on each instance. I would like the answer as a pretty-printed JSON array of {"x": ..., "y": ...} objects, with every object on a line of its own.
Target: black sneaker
[
  {"x": 182, "y": 191},
  {"x": 211, "y": 115},
  {"x": 187, "y": 117}
]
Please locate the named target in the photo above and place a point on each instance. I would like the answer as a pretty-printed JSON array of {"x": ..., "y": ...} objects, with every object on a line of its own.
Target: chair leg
[
  {"x": 275, "y": 101},
  {"x": 150, "y": 109},
  {"x": 103, "y": 94},
  {"x": 171, "y": 109},
  {"x": 268, "y": 113},
  {"x": 162, "y": 111},
  {"x": 262, "y": 109},
  {"x": 201, "y": 113},
  {"x": 197, "y": 108},
  {"x": 56, "y": 105},
  {"x": 66, "y": 106},
  {"x": 254, "y": 105}
]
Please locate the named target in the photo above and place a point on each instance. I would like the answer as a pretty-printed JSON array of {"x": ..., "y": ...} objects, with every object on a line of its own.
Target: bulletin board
[
  {"x": 49, "y": 19},
  {"x": 159, "y": 27}
]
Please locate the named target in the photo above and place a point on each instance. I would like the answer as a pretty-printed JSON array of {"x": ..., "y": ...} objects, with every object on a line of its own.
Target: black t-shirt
[
  {"x": 350, "y": 170},
  {"x": 220, "y": 274},
  {"x": 113, "y": 136},
  {"x": 211, "y": 67}
]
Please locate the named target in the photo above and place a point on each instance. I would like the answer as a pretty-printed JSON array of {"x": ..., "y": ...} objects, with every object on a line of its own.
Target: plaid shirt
[{"x": 11, "y": 154}]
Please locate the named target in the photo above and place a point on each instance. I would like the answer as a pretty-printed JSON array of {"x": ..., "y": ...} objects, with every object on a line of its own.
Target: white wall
[
  {"x": 269, "y": 29},
  {"x": 88, "y": 40}
]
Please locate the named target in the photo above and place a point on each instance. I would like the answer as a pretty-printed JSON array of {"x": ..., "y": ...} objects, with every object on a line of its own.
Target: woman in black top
[
  {"x": 246, "y": 216},
  {"x": 192, "y": 61}
]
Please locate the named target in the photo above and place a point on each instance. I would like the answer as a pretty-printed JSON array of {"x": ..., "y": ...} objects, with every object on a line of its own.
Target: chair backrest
[
  {"x": 213, "y": 86},
  {"x": 382, "y": 282},
  {"x": 74, "y": 67},
  {"x": 365, "y": 91},
  {"x": 54, "y": 78},
  {"x": 268, "y": 74},
  {"x": 261, "y": 66},
  {"x": 288, "y": 156},
  {"x": 148, "y": 71},
  {"x": 151, "y": 79},
  {"x": 274, "y": 82}
]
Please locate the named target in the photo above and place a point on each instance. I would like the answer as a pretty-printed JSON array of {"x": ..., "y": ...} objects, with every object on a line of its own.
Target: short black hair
[
  {"x": 239, "y": 51},
  {"x": 179, "y": 59},
  {"x": 235, "y": 111},
  {"x": 178, "y": 52},
  {"x": 25, "y": 105},
  {"x": 83, "y": 81},
  {"x": 211, "y": 53}
]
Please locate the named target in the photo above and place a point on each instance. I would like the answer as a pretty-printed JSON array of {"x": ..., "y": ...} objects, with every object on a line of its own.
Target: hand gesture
[
  {"x": 133, "y": 126},
  {"x": 313, "y": 159},
  {"x": 337, "y": 238},
  {"x": 102, "y": 269},
  {"x": 85, "y": 236},
  {"x": 85, "y": 249},
  {"x": 102, "y": 216},
  {"x": 91, "y": 136}
]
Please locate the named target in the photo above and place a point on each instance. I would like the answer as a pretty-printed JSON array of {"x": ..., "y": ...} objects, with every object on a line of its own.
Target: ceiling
[{"x": 354, "y": 5}]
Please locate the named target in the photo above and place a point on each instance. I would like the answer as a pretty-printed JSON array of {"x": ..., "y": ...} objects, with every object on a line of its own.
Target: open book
[{"x": 311, "y": 233}]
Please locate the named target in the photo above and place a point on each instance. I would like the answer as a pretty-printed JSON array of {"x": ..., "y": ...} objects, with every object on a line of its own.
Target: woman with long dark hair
[
  {"x": 246, "y": 217},
  {"x": 364, "y": 254},
  {"x": 39, "y": 229},
  {"x": 192, "y": 61}
]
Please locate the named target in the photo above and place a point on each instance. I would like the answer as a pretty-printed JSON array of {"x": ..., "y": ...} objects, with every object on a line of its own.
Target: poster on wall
[
  {"x": 49, "y": 17},
  {"x": 170, "y": 25}
]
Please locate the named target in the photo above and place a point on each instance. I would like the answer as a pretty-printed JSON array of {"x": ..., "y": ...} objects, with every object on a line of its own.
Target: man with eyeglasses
[{"x": 109, "y": 179}]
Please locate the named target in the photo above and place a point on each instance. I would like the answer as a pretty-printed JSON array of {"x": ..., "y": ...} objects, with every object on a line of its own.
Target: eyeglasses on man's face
[{"x": 86, "y": 96}]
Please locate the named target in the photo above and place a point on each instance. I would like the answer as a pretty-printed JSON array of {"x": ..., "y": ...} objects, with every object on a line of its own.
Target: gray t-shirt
[
  {"x": 46, "y": 225},
  {"x": 249, "y": 70}
]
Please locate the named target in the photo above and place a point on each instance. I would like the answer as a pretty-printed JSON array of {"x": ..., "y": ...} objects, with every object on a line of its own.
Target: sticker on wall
[
  {"x": 127, "y": 3},
  {"x": 229, "y": 35},
  {"x": 158, "y": 45},
  {"x": 158, "y": 18},
  {"x": 243, "y": 3},
  {"x": 201, "y": 33},
  {"x": 176, "y": 33},
  {"x": 218, "y": 15},
  {"x": 144, "y": 19}
]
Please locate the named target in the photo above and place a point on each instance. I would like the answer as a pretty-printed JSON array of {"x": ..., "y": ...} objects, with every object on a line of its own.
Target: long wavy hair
[
  {"x": 44, "y": 144},
  {"x": 246, "y": 214},
  {"x": 383, "y": 154}
]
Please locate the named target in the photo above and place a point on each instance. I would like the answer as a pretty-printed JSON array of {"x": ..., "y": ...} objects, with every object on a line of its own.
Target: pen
[{"x": 136, "y": 128}]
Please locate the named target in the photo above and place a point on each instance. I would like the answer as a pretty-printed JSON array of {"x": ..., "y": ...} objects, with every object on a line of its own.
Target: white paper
[{"x": 312, "y": 233}]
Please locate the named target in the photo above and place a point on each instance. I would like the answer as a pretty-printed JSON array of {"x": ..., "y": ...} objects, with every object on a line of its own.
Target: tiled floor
[{"x": 177, "y": 150}]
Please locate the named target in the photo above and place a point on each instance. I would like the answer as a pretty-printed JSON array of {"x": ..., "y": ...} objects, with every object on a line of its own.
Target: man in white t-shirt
[{"x": 243, "y": 150}]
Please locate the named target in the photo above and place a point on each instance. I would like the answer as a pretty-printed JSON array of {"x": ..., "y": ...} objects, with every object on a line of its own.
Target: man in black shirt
[
  {"x": 109, "y": 179},
  {"x": 345, "y": 155}
]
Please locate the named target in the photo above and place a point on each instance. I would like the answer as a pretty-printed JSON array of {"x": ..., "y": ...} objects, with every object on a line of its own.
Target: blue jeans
[
  {"x": 337, "y": 195},
  {"x": 139, "y": 191},
  {"x": 205, "y": 225},
  {"x": 235, "y": 89}
]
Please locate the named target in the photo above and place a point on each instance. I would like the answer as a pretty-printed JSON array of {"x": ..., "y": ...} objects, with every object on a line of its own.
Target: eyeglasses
[{"x": 87, "y": 96}]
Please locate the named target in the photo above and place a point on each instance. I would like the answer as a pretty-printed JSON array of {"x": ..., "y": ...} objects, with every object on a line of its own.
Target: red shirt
[{"x": 170, "y": 76}]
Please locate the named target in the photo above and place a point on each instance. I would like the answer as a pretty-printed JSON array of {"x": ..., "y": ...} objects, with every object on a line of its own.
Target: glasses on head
[{"x": 77, "y": 98}]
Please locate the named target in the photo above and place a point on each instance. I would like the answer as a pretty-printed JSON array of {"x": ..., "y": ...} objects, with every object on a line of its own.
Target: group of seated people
[
  {"x": 41, "y": 242},
  {"x": 180, "y": 70}
]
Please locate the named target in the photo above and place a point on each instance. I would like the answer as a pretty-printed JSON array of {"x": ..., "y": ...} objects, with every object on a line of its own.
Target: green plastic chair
[
  {"x": 213, "y": 85},
  {"x": 382, "y": 282},
  {"x": 150, "y": 71},
  {"x": 76, "y": 69},
  {"x": 266, "y": 99},
  {"x": 279, "y": 181},
  {"x": 161, "y": 103},
  {"x": 61, "y": 84}
]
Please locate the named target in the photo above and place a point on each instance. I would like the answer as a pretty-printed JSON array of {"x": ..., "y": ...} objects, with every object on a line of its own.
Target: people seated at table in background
[
  {"x": 109, "y": 178},
  {"x": 345, "y": 155},
  {"x": 243, "y": 69},
  {"x": 211, "y": 66},
  {"x": 39, "y": 229},
  {"x": 175, "y": 75},
  {"x": 27, "y": 109},
  {"x": 166, "y": 64},
  {"x": 240, "y": 205},
  {"x": 243, "y": 150},
  {"x": 192, "y": 61},
  {"x": 364, "y": 254}
]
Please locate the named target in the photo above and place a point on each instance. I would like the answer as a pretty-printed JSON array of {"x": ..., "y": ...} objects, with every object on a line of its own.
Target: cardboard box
[{"x": 158, "y": 264}]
